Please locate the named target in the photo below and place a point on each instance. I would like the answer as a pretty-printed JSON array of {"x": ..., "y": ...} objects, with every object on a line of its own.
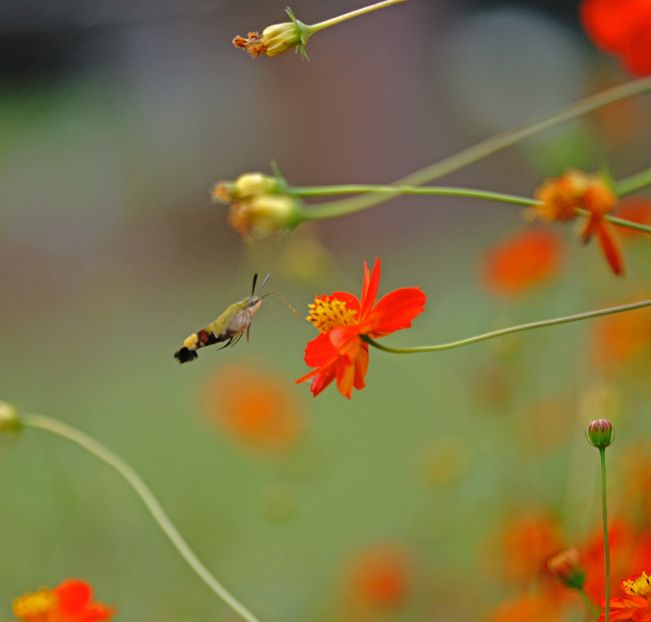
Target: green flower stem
[
  {"x": 312, "y": 28},
  {"x": 142, "y": 490},
  {"x": 498, "y": 142},
  {"x": 604, "y": 514},
  {"x": 507, "y": 331},
  {"x": 326, "y": 211},
  {"x": 592, "y": 607},
  {"x": 634, "y": 183}
]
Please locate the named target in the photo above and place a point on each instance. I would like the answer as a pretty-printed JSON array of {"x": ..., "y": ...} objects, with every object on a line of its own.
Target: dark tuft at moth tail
[{"x": 185, "y": 355}]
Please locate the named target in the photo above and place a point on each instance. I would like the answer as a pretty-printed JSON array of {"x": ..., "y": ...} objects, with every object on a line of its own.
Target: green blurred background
[{"x": 115, "y": 120}]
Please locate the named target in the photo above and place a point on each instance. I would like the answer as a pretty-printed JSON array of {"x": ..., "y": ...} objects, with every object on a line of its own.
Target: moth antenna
[
  {"x": 289, "y": 304},
  {"x": 255, "y": 280}
]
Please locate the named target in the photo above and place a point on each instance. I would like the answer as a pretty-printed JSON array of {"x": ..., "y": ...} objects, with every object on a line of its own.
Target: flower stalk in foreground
[
  {"x": 566, "y": 319},
  {"x": 344, "y": 322},
  {"x": 294, "y": 34},
  {"x": 41, "y": 422},
  {"x": 600, "y": 435}
]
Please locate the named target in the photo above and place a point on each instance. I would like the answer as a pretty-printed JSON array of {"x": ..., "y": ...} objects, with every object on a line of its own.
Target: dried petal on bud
[
  {"x": 275, "y": 39},
  {"x": 566, "y": 567},
  {"x": 600, "y": 433},
  {"x": 264, "y": 214},
  {"x": 9, "y": 418}
]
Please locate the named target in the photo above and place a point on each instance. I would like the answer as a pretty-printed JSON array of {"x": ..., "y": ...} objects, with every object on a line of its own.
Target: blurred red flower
[
  {"x": 71, "y": 601},
  {"x": 621, "y": 338},
  {"x": 529, "y": 541},
  {"x": 342, "y": 319},
  {"x": 623, "y": 28},
  {"x": 529, "y": 608},
  {"x": 379, "y": 577},
  {"x": 635, "y": 209},
  {"x": 255, "y": 407},
  {"x": 522, "y": 261}
]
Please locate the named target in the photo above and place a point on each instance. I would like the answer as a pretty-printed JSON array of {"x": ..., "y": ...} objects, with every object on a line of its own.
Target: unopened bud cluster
[{"x": 259, "y": 204}]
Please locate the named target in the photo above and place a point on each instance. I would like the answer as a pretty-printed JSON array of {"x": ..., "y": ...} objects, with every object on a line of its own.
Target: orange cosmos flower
[
  {"x": 379, "y": 577},
  {"x": 71, "y": 601},
  {"x": 623, "y": 28},
  {"x": 561, "y": 197},
  {"x": 522, "y": 261},
  {"x": 342, "y": 319},
  {"x": 635, "y": 605},
  {"x": 255, "y": 407}
]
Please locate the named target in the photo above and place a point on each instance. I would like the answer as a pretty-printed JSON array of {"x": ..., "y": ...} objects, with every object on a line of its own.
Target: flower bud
[
  {"x": 9, "y": 418},
  {"x": 279, "y": 38},
  {"x": 566, "y": 567},
  {"x": 264, "y": 214},
  {"x": 600, "y": 433},
  {"x": 245, "y": 186}
]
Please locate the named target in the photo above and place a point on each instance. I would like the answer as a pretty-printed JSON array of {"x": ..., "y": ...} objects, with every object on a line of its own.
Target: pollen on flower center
[
  {"x": 641, "y": 586},
  {"x": 36, "y": 604},
  {"x": 326, "y": 313}
]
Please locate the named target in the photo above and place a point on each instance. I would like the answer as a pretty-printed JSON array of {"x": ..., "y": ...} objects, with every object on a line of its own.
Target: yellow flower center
[
  {"x": 36, "y": 605},
  {"x": 326, "y": 313},
  {"x": 638, "y": 587}
]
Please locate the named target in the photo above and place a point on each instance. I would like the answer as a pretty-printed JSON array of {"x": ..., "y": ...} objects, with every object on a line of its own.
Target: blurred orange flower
[
  {"x": 560, "y": 198},
  {"x": 255, "y": 407},
  {"x": 342, "y": 319},
  {"x": 522, "y": 261},
  {"x": 635, "y": 209},
  {"x": 528, "y": 608},
  {"x": 379, "y": 577},
  {"x": 620, "y": 338},
  {"x": 528, "y": 543},
  {"x": 623, "y": 28},
  {"x": 71, "y": 601}
]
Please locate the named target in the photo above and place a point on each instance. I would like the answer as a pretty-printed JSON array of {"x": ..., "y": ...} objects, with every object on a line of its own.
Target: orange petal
[
  {"x": 610, "y": 248},
  {"x": 370, "y": 287},
  {"x": 396, "y": 311}
]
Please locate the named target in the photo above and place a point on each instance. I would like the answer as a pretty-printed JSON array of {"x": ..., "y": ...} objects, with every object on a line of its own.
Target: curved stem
[
  {"x": 604, "y": 515},
  {"x": 501, "y": 141},
  {"x": 326, "y": 211},
  {"x": 507, "y": 331},
  {"x": 142, "y": 490},
  {"x": 346, "y": 16}
]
